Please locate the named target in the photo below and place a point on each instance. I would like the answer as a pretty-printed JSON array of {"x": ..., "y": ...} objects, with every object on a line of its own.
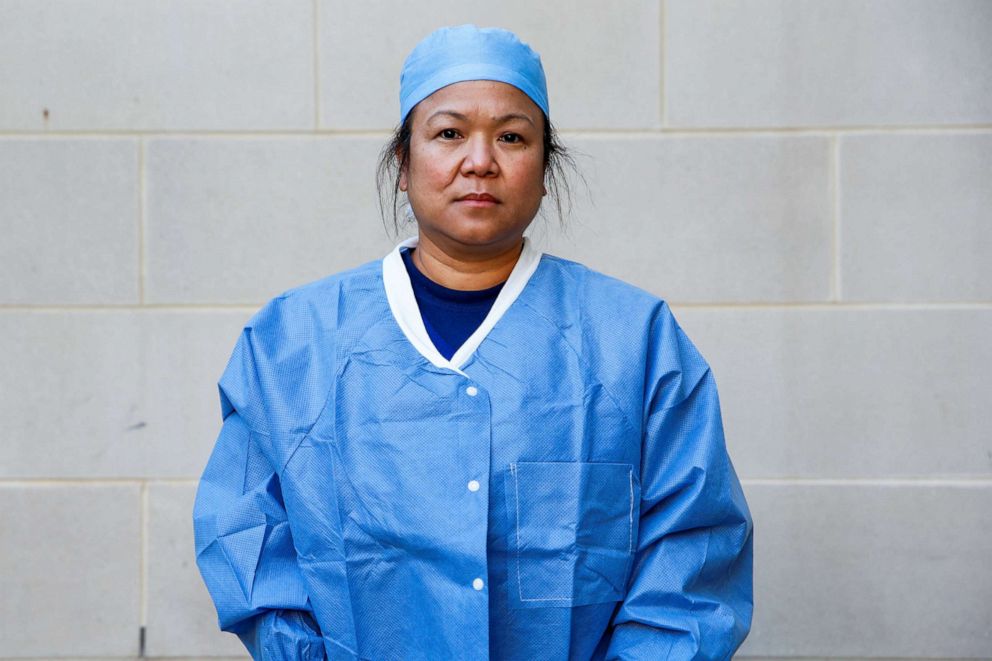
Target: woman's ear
[{"x": 403, "y": 167}]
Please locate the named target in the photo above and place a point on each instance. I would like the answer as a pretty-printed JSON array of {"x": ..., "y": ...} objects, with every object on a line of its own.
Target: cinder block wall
[{"x": 808, "y": 183}]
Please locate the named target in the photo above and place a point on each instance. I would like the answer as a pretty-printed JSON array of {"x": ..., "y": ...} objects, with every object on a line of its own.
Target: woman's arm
[
  {"x": 245, "y": 551},
  {"x": 690, "y": 593}
]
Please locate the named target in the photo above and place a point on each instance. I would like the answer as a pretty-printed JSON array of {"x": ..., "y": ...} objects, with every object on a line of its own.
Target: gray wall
[{"x": 809, "y": 183}]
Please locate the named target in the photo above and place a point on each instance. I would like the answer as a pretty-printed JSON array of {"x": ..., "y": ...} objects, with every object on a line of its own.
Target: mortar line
[
  {"x": 745, "y": 132},
  {"x": 937, "y": 129},
  {"x": 144, "y": 555},
  {"x": 923, "y": 482},
  {"x": 130, "y": 307},
  {"x": 663, "y": 54},
  {"x": 316, "y": 65},
  {"x": 835, "y": 284},
  {"x": 94, "y": 481},
  {"x": 840, "y": 306},
  {"x": 222, "y": 658},
  {"x": 142, "y": 210},
  {"x": 193, "y": 133}
]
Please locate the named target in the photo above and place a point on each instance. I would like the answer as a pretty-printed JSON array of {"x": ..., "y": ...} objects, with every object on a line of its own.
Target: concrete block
[
  {"x": 851, "y": 393},
  {"x": 593, "y": 56},
  {"x": 846, "y": 62},
  {"x": 714, "y": 219},
  {"x": 181, "y": 618},
  {"x": 916, "y": 217},
  {"x": 69, "y": 218},
  {"x": 152, "y": 64},
  {"x": 69, "y": 558},
  {"x": 239, "y": 221},
  {"x": 862, "y": 570},
  {"x": 112, "y": 394}
]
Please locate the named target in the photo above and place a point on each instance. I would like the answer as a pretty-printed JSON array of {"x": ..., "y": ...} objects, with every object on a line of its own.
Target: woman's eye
[
  {"x": 449, "y": 134},
  {"x": 512, "y": 138}
]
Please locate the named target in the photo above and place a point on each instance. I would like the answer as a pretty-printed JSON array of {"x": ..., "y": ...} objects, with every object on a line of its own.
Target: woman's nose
[{"x": 480, "y": 157}]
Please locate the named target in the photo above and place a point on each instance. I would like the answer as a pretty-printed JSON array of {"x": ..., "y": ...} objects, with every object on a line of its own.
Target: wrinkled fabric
[
  {"x": 284, "y": 634},
  {"x": 466, "y": 52},
  {"x": 559, "y": 490}
]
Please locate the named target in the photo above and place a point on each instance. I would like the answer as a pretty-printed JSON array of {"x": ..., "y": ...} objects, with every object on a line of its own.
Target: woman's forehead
[{"x": 486, "y": 98}]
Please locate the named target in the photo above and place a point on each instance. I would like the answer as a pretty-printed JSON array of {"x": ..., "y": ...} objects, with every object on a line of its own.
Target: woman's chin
[{"x": 481, "y": 232}]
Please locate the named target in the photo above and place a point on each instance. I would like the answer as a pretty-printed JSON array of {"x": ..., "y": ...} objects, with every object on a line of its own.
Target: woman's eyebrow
[
  {"x": 499, "y": 120},
  {"x": 515, "y": 115},
  {"x": 450, "y": 113}
]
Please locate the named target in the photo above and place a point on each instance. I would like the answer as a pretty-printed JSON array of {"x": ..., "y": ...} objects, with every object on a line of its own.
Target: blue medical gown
[{"x": 564, "y": 493}]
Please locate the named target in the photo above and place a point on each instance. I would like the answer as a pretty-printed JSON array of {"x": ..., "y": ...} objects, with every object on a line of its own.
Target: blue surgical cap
[{"x": 466, "y": 52}]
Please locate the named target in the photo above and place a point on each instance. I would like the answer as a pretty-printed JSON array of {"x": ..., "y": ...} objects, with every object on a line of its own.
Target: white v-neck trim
[{"x": 403, "y": 304}]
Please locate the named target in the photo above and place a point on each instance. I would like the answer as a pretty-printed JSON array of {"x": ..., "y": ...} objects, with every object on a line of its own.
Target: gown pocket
[{"x": 574, "y": 532}]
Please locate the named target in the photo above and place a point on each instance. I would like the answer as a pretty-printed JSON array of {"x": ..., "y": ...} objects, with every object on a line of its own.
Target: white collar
[{"x": 403, "y": 304}]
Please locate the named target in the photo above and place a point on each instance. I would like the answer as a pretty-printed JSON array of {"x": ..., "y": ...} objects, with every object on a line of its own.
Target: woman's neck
[{"x": 465, "y": 271}]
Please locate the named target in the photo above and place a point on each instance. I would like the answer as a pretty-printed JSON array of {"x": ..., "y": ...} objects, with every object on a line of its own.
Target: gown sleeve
[
  {"x": 244, "y": 547},
  {"x": 690, "y": 591}
]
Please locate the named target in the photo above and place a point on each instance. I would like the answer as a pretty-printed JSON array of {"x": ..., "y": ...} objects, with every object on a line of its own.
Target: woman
[{"x": 468, "y": 449}]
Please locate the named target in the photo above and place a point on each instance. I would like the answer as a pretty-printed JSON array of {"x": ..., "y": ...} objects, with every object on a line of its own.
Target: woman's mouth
[{"x": 478, "y": 200}]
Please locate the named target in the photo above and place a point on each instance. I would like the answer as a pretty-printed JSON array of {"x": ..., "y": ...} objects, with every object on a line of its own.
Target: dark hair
[{"x": 556, "y": 159}]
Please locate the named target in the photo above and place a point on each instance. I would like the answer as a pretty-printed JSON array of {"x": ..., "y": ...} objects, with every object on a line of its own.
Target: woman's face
[{"x": 470, "y": 140}]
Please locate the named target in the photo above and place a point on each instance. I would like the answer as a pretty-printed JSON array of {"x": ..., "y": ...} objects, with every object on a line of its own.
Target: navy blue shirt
[{"x": 450, "y": 315}]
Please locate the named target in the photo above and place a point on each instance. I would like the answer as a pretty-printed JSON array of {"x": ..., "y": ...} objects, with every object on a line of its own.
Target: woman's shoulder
[
  {"x": 618, "y": 318},
  {"x": 364, "y": 276},
  {"x": 281, "y": 366},
  {"x": 320, "y": 303},
  {"x": 592, "y": 288}
]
